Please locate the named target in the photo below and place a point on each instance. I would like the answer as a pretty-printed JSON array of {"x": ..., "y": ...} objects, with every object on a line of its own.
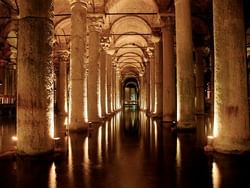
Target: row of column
[
  {"x": 35, "y": 90},
  {"x": 93, "y": 83},
  {"x": 184, "y": 97}
]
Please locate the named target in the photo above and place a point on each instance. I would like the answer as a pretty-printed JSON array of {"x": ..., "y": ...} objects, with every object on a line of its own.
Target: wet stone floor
[{"x": 129, "y": 150}]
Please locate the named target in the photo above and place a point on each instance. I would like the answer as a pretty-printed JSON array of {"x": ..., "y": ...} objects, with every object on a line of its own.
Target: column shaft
[
  {"x": 103, "y": 82},
  {"x": 78, "y": 68},
  {"x": 185, "y": 70},
  {"x": 169, "y": 84},
  {"x": 94, "y": 106},
  {"x": 200, "y": 93},
  {"x": 109, "y": 81},
  {"x": 231, "y": 116},
  {"x": 62, "y": 100},
  {"x": 158, "y": 79},
  {"x": 152, "y": 84},
  {"x": 35, "y": 109}
]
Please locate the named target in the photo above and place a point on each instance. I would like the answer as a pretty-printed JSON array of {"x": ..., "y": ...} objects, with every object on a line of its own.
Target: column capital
[
  {"x": 63, "y": 55},
  {"x": 105, "y": 42},
  {"x": 168, "y": 24},
  {"x": 79, "y": 3},
  {"x": 95, "y": 23}
]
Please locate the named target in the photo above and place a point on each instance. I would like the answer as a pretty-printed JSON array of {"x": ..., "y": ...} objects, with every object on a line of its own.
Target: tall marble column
[
  {"x": 147, "y": 78},
  {"x": 158, "y": 79},
  {"x": 78, "y": 67},
  {"x": 169, "y": 83},
  {"x": 109, "y": 81},
  {"x": 152, "y": 83},
  {"x": 62, "y": 99},
  {"x": 103, "y": 81},
  {"x": 231, "y": 115},
  {"x": 118, "y": 98},
  {"x": 94, "y": 102},
  {"x": 113, "y": 87},
  {"x": 185, "y": 67},
  {"x": 199, "y": 79},
  {"x": 35, "y": 90},
  {"x": 142, "y": 88}
]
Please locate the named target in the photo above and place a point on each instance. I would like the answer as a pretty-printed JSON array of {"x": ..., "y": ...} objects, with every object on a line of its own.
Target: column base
[
  {"x": 232, "y": 148},
  {"x": 186, "y": 126},
  {"x": 78, "y": 127}
]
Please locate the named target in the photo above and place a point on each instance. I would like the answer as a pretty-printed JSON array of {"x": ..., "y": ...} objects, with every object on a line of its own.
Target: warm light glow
[
  {"x": 178, "y": 106},
  {"x": 52, "y": 176},
  {"x": 155, "y": 133},
  {"x": 14, "y": 138},
  {"x": 106, "y": 136},
  {"x": 70, "y": 160},
  {"x": 215, "y": 175},
  {"x": 86, "y": 151},
  {"x": 215, "y": 127},
  {"x": 210, "y": 140},
  {"x": 178, "y": 152},
  {"x": 56, "y": 138},
  {"x": 99, "y": 147}
]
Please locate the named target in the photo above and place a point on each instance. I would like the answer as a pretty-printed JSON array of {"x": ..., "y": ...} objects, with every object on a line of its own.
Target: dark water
[{"x": 128, "y": 151}]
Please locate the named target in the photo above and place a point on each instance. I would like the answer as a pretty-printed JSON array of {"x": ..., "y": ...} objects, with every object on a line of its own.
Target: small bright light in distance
[{"x": 14, "y": 138}]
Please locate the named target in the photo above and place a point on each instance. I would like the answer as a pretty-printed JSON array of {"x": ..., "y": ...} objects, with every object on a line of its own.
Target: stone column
[
  {"x": 118, "y": 98},
  {"x": 113, "y": 86},
  {"x": 62, "y": 100},
  {"x": 231, "y": 115},
  {"x": 185, "y": 70},
  {"x": 35, "y": 91},
  {"x": 199, "y": 79},
  {"x": 142, "y": 87},
  {"x": 103, "y": 81},
  {"x": 78, "y": 67},
  {"x": 152, "y": 83},
  {"x": 94, "y": 102},
  {"x": 158, "y": 79},
  {"x": 109, "y": 80},
  {"x": 169, "y": 84},
  {"x": 147, "y": 78}
]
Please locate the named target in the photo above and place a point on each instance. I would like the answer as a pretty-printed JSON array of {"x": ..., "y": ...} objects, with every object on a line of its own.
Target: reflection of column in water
[
  {"x": 106, "y": 138},
  {"x": 52, "y": 176},
  {"x": 70, "y": 162},
  {"x": 215, "y": 175},
  {"x": 178, "y": 153},
  {"x": 155, "y": 134},
  {"x": 99, "y": 145}
]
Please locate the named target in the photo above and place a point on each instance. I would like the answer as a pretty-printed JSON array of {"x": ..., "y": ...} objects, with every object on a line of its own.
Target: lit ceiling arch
[{"x": 130, "y": 24}]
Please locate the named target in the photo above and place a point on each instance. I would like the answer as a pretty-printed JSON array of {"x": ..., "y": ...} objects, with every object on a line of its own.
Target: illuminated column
[
  {"x": 200, "y": 93},
  {"x": 103, "y": 81},
  {"x": 78, "y": 67},
  {"x": 231, "y": 116},
  {"x": 147, "y": 78},
  {"x": 94, "y": 100},
  {"x": 109, "y": 80},
  {"x": 35, "y": 106},
  {"x": 169, "y": 85},
  {"x": 142, "y": 88},
  {"x": 118, "y": 98},
  {"x": 152, "y": 83},
  {"x": 62, "y": 99},
  {"x": 185, "y": 70},
  {"x": 158, "y": 79},
  {"x": 114, "y": 87}
]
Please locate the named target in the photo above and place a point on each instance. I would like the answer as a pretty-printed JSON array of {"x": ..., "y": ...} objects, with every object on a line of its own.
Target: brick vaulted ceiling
[{"x": 132, "y": 26}]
